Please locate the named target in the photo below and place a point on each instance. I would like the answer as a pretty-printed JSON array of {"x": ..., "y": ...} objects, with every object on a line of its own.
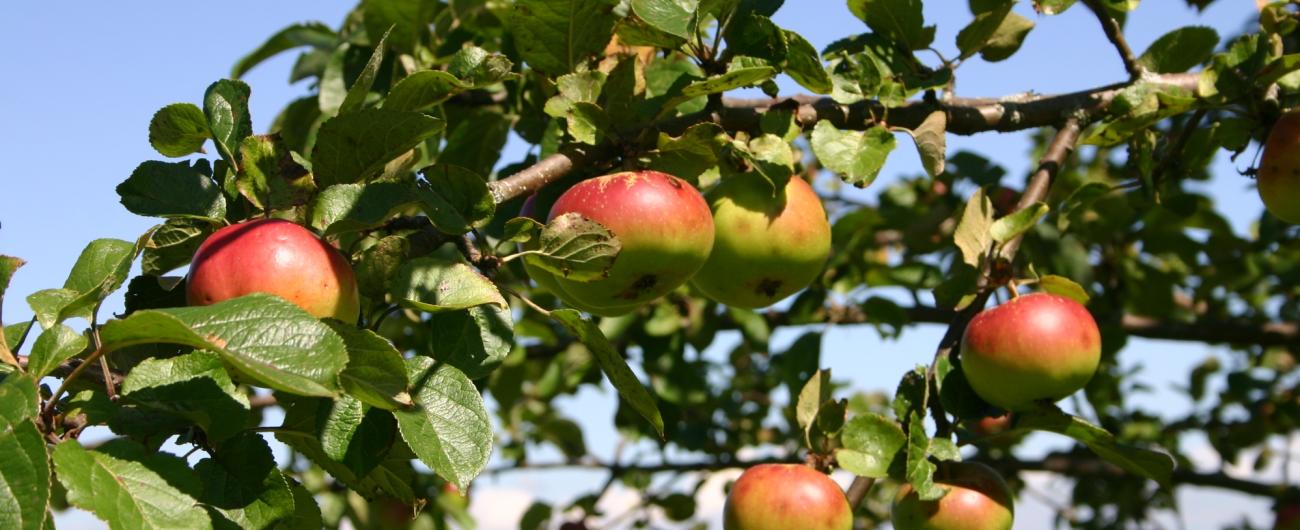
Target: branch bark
[{"x": 966, "y": 116}]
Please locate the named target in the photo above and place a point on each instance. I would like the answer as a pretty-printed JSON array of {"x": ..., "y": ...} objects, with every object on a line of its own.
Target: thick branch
[
  {"x": 965, "y": 116},
  {"x": 1116, "y": 36},
  {"x": 1067, "y": 465},
  {"x": 1092, "y": 467}
]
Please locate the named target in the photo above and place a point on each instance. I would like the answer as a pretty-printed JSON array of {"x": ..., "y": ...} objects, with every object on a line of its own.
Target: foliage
[{"x": 391, "y": 158}]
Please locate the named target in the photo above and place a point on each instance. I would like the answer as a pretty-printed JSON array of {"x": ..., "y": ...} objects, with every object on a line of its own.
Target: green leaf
[
  {"x": 8, "y": 266},
  {"x": 756, "y": 37},
  {"x": 804, "y": 64},
  {"x": 1180, "y": 50},
  {"x": 270, "y": 178},
  {"x": 101, "y": 269},
  {"x": 771, "y": 156},
  {"x": 375, "y": 373},
  {"x": 734, "y": 78},
  {"x": 1052, "y": 7},
  {"x": 478, "y": 68},
  {"x": 435, "y": 284},
  {"x": 361, "y": 87},
  {"x": 920, "y": 471},
  {"x": 226, "y": 106},
  {"x": 815, "y": 392},
  {"x": 448, "y": 429},
  {"x": 1020, "y": 221},
  {"x": 312, "y": 34},
  {"x": 178, "y": 129},
  {"x": 555, "y": 36},
  {"x": 129, "y": 489},
  {"x": 337, "y": 424},
  {"x": 166, "y": 189},
  {"x": 974, "y": 231},
  {"x": 1155, "y": 465},
  {"x": 900, "y": 20},
  {"x": 945, "y": 449},
  {"x": 931, "y": 141},
  {"x": 574, "y": 88},
  {"x": 613, "y": 364},
  {"x": 374, "y": 464},
  {"x": 1281, "y": 70},
  {"x": 422, "y": 90},
  {"x": 871, "y": 445},
  {"x": 405, "y": 24},
  {"x": 242, "y": 484},
  {"x": 25, "y": 468},
  {"x": 455, "y": 199},
  {"x": 476, "y": 340},
  {"x": 856, "y": 156},
  {"x": 476, "y": 140},
  {"x": 351, "y": 207},
  {"x": 265, "y": 337},
  {"x": 172, "y": 244},
  {"x": 587, "y": 123},
  {"x": 55, "y": 345},
  {"x": 575, "y": 247},
  {"x": 355, "y": 147},
  {"x": 1008, "y": 38},
  {"x": 973, "y": 38},
  {"x": 195, "y": 387},
  {"x": 1060, "y": 285},
  {"x": 958, "y": 287},
  {"x": 669, "y": 16}
]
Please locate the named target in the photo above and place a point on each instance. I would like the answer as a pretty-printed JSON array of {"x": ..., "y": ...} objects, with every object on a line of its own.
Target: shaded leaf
[
  {"x": 355, "y": 147},
  {"x": 448, "y": 429},
  {"x": 375, "y": 373},
  {"x": 436, "y": 284},
  {"x": 25, "y": 468},
  {"x": 475, "y": 340},
  {"x": 178, "y": 129},
  {"x": 164, "y": 189},
  {"x": 195, "y": 387},
  {"x": 555, "y": 36}
]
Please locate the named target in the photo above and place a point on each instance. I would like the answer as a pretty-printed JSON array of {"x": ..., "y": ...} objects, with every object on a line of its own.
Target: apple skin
[
  {"x": 665, "y": 229},
  {"x": 766, "y": 246},
  {"x": 277, "y": 257},
  {"x": 977, "y": 499},
  {"x": 1037, "y": 347},
  {"x": 1278, "y": 179},
  {"x": 786, "y": 496},
  {"x": 546, "y": 280}
]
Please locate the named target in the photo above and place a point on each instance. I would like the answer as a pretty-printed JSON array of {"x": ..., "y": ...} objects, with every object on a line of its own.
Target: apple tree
[{"x": 652, "y": 217}]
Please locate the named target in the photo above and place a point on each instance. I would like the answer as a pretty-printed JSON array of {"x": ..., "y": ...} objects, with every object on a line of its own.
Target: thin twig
[{"x": 1116, "y": 36}]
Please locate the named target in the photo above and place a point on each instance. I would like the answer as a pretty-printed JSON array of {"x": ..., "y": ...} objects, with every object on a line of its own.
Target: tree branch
[
  {"x": 1075, "y": 466},
  {"x": 1116, "y": 36},
  {"x": 965, "y": 116}
]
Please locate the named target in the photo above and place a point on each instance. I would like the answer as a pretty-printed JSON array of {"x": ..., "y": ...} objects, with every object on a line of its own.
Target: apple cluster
[{"x": 742, "y": 244}]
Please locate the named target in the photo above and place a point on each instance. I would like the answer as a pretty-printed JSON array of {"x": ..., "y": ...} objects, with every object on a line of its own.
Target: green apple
[
  {"x": 767, "y": 245},
  {"x": 663, "y": 225},
  {"x": 977, "y": 499},
  {"x": 1278, "y": 180},
  {"x": 1036, "y": 348}
]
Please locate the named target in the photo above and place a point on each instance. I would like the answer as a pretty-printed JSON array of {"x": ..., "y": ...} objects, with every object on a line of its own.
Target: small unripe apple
[
  {"x": 663, "y": 225},
  {"x": 1279, "y": 169},
  {"x": 767, "y": 245},
  {"x": 977, "y": 499},
  {"x": 277, "y": 257},
  {"x": 786, "y": 496},
  {"x": 1035, "y": 348}
]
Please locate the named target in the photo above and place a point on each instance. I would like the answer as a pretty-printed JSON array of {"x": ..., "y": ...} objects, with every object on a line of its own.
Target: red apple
[
  {"x": 767, "y": 245},
  {"x": 1279, "y": 169},
  {"x": 784, "y": 497},
  {"x": 1037, "y": 347},
  {"x": 977, "y": 499},
  {"x": 991, "y": 425},
  {"x": 276, "y": 257},
  {"x": 663, "y": 225}
]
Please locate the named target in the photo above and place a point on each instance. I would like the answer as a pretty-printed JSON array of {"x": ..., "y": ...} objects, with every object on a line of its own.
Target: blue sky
[{"x": 83, "y": 79}]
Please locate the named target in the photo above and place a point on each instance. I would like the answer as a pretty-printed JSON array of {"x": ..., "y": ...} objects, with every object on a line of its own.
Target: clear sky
[{"x": 82, "y": 80}]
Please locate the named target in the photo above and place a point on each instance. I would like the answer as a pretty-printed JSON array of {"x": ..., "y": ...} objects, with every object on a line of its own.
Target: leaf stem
[{"x": 526, "y": 301}]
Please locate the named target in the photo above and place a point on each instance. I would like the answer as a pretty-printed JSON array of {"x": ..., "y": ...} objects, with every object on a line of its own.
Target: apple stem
[
  {"x": 528, "y": 302},
  {"x": 1012, "y": 286}
]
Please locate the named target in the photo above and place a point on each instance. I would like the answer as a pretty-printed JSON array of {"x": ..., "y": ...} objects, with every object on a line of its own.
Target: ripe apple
[
  {"x": 1037, "y": 347},
  {"x": 766, "y": 245},
  {"x": 1279, "y": 169},
  {"x": 277, "y": 257},
  {"x": 977, "y": 499},
  {"x": 546, "y": 280},
  {"x": 663, "y": 225},
  {"x": 786, "y": 496}
]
